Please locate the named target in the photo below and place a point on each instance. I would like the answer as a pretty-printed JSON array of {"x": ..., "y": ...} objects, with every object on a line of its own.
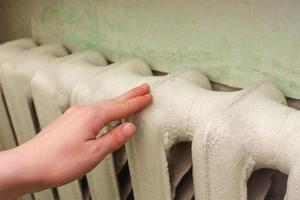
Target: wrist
[{"x": 16, "y": 175}]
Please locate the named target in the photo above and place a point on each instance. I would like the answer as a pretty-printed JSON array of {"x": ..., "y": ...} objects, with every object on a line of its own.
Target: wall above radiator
[{"x": 237, "y": 43}]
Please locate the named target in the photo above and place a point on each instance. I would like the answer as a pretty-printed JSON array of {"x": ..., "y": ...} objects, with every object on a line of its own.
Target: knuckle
[
  {"x": 90, "y": 110},
  {"x": 94, "y": 149},
  {"x": 127, "y": 105},
  {"x": 85, "y": 109},
  {"x": 73, "y": 108},
  {"x": 101, "y": 114},
  {"x": 92, "y": 113},
  {"x": 118, "y": 138},
  {"x": 136, "y": 91},
  {"x": 95, "y": 153}
]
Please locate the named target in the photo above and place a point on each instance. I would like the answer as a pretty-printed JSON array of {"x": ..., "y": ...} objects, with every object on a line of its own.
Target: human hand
[{"x": 69, "y": 147}]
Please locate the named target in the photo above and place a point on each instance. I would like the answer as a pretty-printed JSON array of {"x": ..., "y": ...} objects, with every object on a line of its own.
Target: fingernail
[
  {"x": 145, "y": 85},
  {"x": 128, "y": 129}
]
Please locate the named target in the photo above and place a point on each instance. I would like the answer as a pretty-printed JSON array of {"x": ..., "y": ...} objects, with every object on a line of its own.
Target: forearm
[{"x": 15, "y": 177}]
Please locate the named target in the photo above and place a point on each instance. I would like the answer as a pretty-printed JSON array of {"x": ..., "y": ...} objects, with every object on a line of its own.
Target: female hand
[{"x": 69, "y": 147}]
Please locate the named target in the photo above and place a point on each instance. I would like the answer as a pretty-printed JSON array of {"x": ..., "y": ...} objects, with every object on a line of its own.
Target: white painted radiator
[{"x": 191, "y": 143}]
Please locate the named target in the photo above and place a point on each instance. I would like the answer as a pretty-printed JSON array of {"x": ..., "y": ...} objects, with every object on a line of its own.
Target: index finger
[
  {"x": 120, "y": 108},
  {"x": 137, "y": 91}
]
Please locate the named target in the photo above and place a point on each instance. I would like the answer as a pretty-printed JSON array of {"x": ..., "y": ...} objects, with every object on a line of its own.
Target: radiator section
[
  {"x": 192, "y": 142},
  {"x": 16, "y": 74},
  {"x": 9, "y": 51}
]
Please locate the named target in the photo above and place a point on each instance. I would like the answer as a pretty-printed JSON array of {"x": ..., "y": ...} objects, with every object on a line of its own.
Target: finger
[
  {"x": 114, "y": 110},
  {"x": 138, "y": 91},
  {"x": 115, "y": 138}
]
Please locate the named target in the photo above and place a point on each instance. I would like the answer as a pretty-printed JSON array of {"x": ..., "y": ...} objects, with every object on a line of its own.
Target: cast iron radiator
[{"x": 193, "y": 142}]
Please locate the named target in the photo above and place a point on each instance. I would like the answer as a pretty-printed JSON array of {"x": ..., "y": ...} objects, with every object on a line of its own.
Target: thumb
[{"x": 115, "y": 138}]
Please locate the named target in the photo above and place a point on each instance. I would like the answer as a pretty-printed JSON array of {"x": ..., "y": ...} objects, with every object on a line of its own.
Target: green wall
[{"x": 234, "y": 42}]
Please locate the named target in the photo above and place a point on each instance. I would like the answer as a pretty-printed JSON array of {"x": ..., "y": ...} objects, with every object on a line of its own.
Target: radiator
[{"x": 193, "y": 142}]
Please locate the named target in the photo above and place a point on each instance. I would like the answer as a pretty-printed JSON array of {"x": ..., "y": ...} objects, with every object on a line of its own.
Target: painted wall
[
  {"x": 15, "y": 19},
  {"x": 234, "y": 42}
]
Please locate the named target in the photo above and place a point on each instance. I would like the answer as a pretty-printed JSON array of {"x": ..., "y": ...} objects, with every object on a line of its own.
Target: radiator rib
[
  {"x": 220, "y": 138},
  {"x": 145, "y": 147},
  {"x": 9, "y": 51},
  {"x": 264, "y": 138},
  {"x": 16, "y": 75},
  {"x": 52, "y": 88},
  {"x": 84, "y": 93}
]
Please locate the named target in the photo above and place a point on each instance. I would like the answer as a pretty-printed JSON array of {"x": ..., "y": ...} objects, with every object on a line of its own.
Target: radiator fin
[{"x": 192, "y": 142}]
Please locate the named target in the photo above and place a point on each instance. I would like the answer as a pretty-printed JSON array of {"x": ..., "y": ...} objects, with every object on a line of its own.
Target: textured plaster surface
[
  {"x": 15, "y": 18},
  {"x": 234, "y": 42}
]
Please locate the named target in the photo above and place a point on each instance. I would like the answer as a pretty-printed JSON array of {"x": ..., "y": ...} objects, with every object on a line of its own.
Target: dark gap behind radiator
[
  {"x": 179, "y": 159},
  {"x": 34, "y": 116},
  {"x": 121, "y": 167},
  {"x": 84, "y": 187},
  {"x": 267, "y": 184},
  {"x": 123, "y": 175},
  {"x": 9, "y": 117}
]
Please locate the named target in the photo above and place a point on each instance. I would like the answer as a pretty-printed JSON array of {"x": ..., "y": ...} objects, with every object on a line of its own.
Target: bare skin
[{"x": 69, "y": 147}]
